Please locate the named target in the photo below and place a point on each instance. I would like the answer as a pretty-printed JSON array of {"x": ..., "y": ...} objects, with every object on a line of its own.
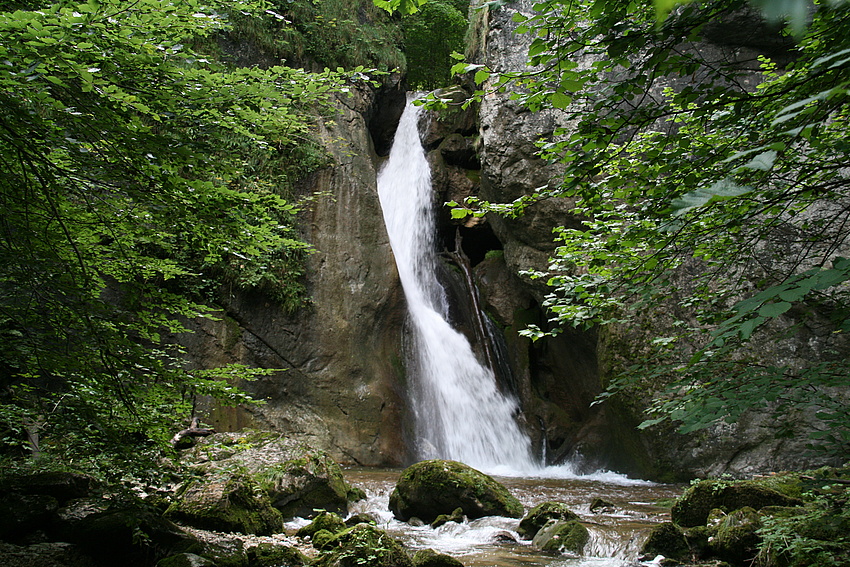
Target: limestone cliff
[{"x": 340, "y": 384}]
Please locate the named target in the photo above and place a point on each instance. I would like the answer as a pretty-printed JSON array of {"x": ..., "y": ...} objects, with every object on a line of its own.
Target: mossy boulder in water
[
  {"x": 324, "y": 521},
  {"x": 455, "y": 516},
  {"x": 538, "y": 516},
  {"x": 693, "y": 508},
  {"x": 430, "y": 488},
  {"x": 271, "y": 555},
  {"x": 363, "y": 545},
  {"x": 665, "y": 539},
  {"x": 736, "y": 539},
  {"x": 558, "y": 536},
  {"x": 226, "y": 502},
  {"x": 430, "y": 558}
]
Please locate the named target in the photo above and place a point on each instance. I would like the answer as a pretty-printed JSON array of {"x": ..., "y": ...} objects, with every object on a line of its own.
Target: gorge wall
[
  {"x": 342, "y": 387},
  {"x": 341, "y": 384}
]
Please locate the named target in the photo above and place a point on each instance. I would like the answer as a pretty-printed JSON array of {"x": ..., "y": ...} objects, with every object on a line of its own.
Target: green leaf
[
  {"x": 774, "y": 309},
  {"x": 721, "y": 190},
  {"x": 764, "y": 161}
]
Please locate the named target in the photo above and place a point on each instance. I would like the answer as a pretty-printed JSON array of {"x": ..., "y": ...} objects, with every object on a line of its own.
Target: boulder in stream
[
  {"x": 558, "y": 536},
  {"x": 538, "y": 516},
  {"x": 430, "y": 488},
  {"x": 430, "y": 558},
  {"x": 666, "y": 539},
  {"x": 456, "y": 516},
  {"x": 324, "y": 521}
]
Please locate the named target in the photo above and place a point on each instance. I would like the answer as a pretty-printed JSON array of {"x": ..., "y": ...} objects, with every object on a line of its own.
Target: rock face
[
  {"x": 431, "y": 488},
  {"x": 341, "y": 388}
]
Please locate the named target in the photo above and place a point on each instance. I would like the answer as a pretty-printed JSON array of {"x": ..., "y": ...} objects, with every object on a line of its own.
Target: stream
[{"x": 616, "y": 535}]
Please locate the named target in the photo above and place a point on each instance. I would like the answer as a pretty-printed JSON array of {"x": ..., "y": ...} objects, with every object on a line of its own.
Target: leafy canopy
[{"x": 130, "y": 174}]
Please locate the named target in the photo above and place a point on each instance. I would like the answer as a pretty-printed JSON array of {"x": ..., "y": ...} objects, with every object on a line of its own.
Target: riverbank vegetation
[{"x": 139, "y": 171}]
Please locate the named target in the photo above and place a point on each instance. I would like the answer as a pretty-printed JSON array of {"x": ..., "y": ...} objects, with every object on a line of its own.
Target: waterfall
[{"x": 459, "y": 413}]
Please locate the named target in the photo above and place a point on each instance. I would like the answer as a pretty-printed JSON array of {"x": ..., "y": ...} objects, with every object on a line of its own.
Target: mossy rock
[
  {"x": 21, "y": 514},
  {"x": 226, "y": 502},
  {"x": 271, "y": 555},
  {"x": 63, "y": 486},
  {"x": 430, "y": 488},
  {"x": 455, "y": 516},
  {"x": 538, "y": 516},
  {"x": 666, "y": 539},
  {"x": 558, "y": 536},
  {"x": 736, "y": 539},
  {"x": 322, "y": 539},
  {"x": 363, "y": 545},
  {"x": 297, "y": 478},
  {"x": 46, "y": 554},
  {"x": 313, "y": 481},
  {"x": 693, "y": 508},
  {"x": 324, "y": 521},
  {"x": 185, "y": 560},
  {"x": 430, "y": 558},
  {"x": 360, "y": 518},
  {"x": 355, "y": 494}
]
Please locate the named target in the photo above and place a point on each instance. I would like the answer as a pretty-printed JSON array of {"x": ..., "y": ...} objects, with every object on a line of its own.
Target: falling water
[{"x": 459, "y": 412}]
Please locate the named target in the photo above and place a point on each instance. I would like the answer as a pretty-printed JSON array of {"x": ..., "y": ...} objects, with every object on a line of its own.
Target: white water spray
[{"x": 459, "y": 412}]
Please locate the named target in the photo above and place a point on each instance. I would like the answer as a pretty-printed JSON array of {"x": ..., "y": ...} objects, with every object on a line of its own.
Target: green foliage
[
  {"x": 814, "y": 535},
  {"x": 432, "y": 35},
  {"x": 720, "y": 204},
  {"x": 130, "y": 175},
  {"x": 326, "y": 33}
]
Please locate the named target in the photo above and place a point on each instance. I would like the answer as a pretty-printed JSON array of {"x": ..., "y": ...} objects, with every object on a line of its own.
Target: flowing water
[
  {"x": 459, "y": 412},
  {"x": 615, "y": 533}
]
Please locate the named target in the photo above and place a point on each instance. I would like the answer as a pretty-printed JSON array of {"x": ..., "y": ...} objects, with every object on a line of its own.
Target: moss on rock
[
  {"x": 666, "y": 539},
  {"x": 226, "y": 502},
  {"x": 538, "y": 516},
  {"x": 299, "y": 486},
  {"x": 558, "y": 536},
  {"x": 455, "y": 516},
  {"x": 324, "y": 521},
  {"x": 736, "y": 539},
  {"x": 363, "y": 545},
  {"x": 430, "y": 488},
  {"x": 430, "y": 558},
  {"x": 693, "y": 508},
  {"x": 271, "y": 555}
]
